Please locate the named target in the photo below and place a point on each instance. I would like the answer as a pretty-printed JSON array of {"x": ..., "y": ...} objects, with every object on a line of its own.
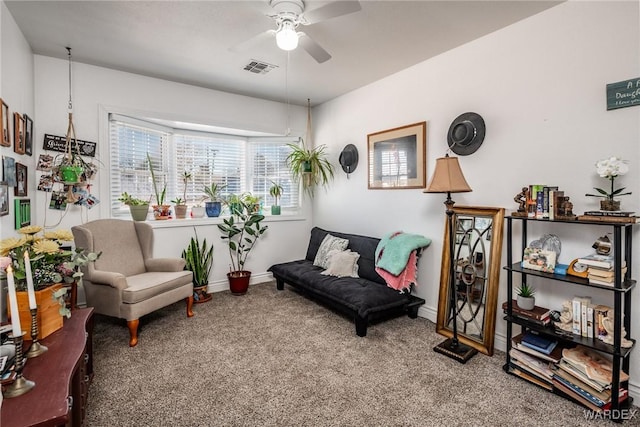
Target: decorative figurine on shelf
[
  {"x": 566, "y": 317},
  {"x": 602, "y": 245},
  {"x": 521, "y": 199},
  {"x": 608, "y": 324},
  {"x": 566, "y": 209}
]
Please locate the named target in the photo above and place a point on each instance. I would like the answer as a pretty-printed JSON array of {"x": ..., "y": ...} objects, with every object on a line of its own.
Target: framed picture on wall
[
  {"x": 4, "y": 199},
  {"x": 28, "y": 135},
  {"x": 18, "y": 133},
  {"x": 9, "y": 171},
  {"x": 21, "y": 180},
  {"x": 5, "y": 139},
  {"x": 397, "y": 157},
  {"x": 23, "y": 212}
]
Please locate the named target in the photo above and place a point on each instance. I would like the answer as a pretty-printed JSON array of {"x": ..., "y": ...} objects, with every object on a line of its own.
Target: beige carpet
[{"x": 274, "y": 358}]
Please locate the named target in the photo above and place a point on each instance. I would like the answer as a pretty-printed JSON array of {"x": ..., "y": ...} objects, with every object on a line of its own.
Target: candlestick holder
[
  {"x": 20, "y": 385},
  {"x": 36, "y": 348}
]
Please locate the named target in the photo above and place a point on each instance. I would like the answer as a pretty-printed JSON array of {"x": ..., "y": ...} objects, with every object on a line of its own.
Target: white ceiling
[{"x": 189, "y": 41}]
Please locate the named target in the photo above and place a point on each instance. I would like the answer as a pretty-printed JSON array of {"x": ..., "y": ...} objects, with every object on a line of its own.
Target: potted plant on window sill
[
  {"x": 276, "y": 192},
  {"x": 181, "y": 202},
  {"x": 213, "y": 206},
  {"x": 199, "y": 260},
  {"x": 251, "y": 202},
  {"x": 137, "y": 207},
  {"x": 310, "y": 165},
  {"x": 241, "y": 231},
  {"x": 160, "y": 210}
]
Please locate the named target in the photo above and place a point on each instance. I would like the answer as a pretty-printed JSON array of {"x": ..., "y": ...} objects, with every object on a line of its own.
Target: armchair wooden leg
[
  {"x": 189, "y": 306},
  {"x": 133, "y": 332}
]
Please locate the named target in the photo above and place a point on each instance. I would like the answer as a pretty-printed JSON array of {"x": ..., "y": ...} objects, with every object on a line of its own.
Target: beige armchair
[{"x": 126, "y": 282}]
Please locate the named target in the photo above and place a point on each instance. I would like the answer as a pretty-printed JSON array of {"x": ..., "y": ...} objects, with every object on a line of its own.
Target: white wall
[
  {"x": 16, "y": 89},
  {"x": 97, "y": 89},
  {"x": 540, "y": 87}
]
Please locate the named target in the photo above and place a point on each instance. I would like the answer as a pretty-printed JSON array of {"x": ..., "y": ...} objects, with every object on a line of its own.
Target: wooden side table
[{"x": 62, "y": 377}]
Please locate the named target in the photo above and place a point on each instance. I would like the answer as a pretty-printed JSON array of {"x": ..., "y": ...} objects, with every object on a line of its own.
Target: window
[{"x": 240, "y": 163}]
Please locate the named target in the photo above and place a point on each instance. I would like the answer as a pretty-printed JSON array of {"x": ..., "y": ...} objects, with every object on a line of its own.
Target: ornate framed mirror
[{"x": 477, "y": 251}]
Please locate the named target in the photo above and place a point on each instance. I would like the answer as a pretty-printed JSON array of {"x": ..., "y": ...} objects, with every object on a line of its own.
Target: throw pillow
[
  {"x": 328, "y": 243},
  {"x": 342, "y": 264}
]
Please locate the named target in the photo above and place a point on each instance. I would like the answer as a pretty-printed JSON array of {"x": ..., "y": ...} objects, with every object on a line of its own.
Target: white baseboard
[{"x": 223, "y": 285}]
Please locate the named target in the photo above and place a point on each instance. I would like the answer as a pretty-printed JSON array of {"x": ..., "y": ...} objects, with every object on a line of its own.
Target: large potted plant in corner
[
  {"x": 310, "y": 165},
  {"x": 213, "y": 207},
  {"x": 160, "y": 210},
  {"x": 199, "y": 260},
  {"x": 241, "y": 231},
  {"x": 137, "y": 207}
]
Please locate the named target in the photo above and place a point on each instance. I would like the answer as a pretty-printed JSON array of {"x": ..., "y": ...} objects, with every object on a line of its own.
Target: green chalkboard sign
[{"x": 623, "y": 94}]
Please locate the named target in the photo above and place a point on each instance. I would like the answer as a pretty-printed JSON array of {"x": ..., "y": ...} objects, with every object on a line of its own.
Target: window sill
[{"x": 190, "y": 222}]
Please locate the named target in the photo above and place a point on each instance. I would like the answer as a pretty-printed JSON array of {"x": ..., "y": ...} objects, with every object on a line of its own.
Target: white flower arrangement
[{"x": 611, "y": 168}]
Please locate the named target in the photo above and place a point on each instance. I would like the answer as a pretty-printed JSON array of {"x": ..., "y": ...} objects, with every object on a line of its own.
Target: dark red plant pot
[{"x": 239, "y": 282}]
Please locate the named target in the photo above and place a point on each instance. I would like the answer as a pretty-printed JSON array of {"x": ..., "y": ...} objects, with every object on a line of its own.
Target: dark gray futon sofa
[{"x": 365, "y": 299}]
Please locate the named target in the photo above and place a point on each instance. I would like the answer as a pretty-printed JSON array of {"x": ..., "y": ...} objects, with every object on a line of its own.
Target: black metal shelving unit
[{"x": 621, "y": 292}]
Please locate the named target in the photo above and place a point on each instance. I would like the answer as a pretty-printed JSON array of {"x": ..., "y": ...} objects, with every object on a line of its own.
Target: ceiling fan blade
[
  {"x": 329, "y": 11},
  {"x": 253, "y": 41},
  {"x": 313, "y": 48}
]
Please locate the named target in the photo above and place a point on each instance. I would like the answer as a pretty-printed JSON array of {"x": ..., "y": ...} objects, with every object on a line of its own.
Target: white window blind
[
  {"x": 239, "y": 163},
  {"x": 129, "y": 166},
  {"x": 268, "y": 161},
  {"x": 210, "y": 159}
]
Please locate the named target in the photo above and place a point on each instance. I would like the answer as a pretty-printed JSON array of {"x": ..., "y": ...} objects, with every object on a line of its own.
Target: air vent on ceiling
[{"x": 259, "y": 67}]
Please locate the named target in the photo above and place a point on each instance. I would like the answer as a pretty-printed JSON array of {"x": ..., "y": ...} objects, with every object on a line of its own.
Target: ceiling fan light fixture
[{"x": 286, "y": 36}]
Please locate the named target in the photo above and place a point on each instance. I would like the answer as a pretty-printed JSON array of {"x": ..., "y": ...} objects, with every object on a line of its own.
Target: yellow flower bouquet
[{"x": 50, "y": 263}]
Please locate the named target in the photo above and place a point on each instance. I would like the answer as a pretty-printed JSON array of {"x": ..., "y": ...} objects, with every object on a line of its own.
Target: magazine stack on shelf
[
  {"x": 585, "y": 376},
  {"x": 531, "y": 368},
  {"x": 601, "y": 269}
]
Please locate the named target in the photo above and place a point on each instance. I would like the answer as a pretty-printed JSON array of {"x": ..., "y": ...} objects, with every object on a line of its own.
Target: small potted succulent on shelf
[
  {"x": 213, "y": 207},
  {"x": 276, "y": 192},
  {"x": 525, "y": 299},
  {"x": 137, "y": 207}
]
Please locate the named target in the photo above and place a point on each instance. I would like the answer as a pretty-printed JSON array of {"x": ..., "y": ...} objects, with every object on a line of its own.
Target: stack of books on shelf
[
  {"x": 538, "y": 315},
  {"x": 601, "y": 269},
  {"x": 626, "y": 217},
  {"x": 586, "y": 376},
  {"x": 524, "y": 344}
]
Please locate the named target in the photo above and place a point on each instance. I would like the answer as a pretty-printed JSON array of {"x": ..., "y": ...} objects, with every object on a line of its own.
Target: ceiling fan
[{"x": 289, "y": 14}]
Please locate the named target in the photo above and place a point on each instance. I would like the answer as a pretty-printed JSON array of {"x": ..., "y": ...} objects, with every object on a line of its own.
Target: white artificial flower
[{"x": 611, "y": 167}]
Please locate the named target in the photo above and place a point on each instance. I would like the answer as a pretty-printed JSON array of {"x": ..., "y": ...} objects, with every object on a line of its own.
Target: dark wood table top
[{"x": 48, "y": 402}]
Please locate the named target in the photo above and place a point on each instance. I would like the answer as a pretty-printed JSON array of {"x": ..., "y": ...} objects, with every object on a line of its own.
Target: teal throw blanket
[{"x": 394, "y": 249}]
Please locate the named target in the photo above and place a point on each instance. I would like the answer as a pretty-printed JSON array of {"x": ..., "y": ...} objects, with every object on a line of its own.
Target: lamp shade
[
  {"x": 286, "y": 36},
  {"x": 448, "y": 177}
]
